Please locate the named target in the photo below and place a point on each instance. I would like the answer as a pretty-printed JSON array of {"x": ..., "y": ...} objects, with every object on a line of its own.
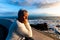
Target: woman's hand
[{"x": 25, "y": 21}]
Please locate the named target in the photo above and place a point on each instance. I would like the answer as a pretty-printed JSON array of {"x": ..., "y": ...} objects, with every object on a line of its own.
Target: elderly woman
[{"x": 20, "y": 29}]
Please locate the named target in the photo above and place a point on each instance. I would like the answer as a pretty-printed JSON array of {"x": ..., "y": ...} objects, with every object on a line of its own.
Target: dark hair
[{"x": 21, "y": 12}]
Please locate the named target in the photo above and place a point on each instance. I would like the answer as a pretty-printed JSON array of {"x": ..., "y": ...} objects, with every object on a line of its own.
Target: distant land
[
  {"x": 34, "y": 17},
  {"x": 45, "y": 17}
]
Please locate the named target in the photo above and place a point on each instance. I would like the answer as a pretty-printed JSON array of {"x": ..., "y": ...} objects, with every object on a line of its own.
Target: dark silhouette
[
  {"x": 41, "y": 27},
  {"x": 3, "y": 32}
]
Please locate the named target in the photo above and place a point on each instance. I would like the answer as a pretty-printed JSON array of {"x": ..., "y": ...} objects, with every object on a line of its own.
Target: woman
[{"x": 21, "y": 28}]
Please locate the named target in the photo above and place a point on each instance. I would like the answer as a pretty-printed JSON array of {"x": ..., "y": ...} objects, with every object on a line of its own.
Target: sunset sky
[{"x": 40, "y": 7}]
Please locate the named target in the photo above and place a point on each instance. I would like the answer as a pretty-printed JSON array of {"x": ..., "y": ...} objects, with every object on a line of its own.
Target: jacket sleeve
[
  {"x": 28, "y": 27},
  {"x": 24, "y": 29}
]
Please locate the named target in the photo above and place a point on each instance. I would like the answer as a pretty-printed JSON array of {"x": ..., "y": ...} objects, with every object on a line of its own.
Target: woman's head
[{"x": 23, "y": 14}]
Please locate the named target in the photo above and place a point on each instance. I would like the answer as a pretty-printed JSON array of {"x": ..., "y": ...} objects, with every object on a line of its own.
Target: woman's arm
[{"x": 28, "y": 27}]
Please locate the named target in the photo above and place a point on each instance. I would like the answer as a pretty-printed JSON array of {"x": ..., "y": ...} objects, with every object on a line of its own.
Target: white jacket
[{"x": 19, "y": 30}]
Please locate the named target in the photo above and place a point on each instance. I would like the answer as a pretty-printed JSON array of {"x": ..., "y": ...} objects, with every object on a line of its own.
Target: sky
[{"x": 34, "y": 7}]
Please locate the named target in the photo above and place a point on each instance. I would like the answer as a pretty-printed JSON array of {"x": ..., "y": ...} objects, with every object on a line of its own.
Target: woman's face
[{"x": 25, "y": 16}]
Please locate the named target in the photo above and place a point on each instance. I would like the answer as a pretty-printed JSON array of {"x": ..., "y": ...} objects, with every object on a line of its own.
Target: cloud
[
  {"x": 38, "y": 4},
  {"x": 53, "y": 10},
  {"x": 37, "y": 7}
]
